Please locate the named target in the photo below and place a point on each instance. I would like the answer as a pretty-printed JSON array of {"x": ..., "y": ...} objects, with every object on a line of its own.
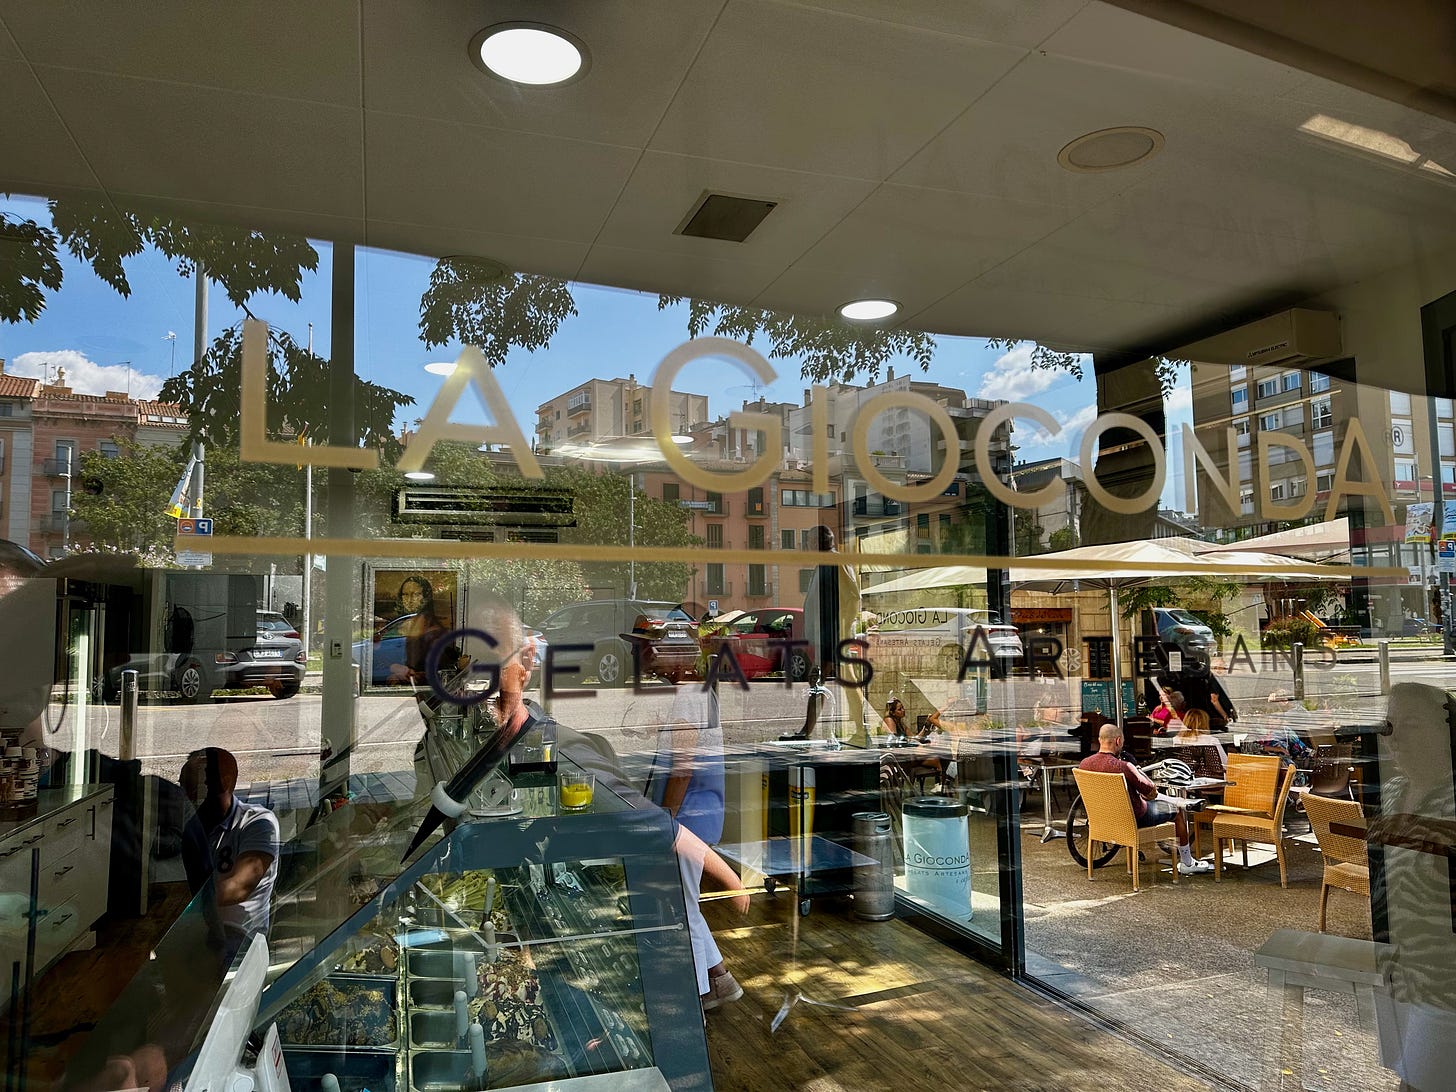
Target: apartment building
[{"x": 601, "y": 409}]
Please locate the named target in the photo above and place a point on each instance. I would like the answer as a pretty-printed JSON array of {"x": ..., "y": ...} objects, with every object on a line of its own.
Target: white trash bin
[{"x": 938, "y": 855}]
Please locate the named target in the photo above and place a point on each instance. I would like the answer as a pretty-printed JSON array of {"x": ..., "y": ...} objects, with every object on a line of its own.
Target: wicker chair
[
  {"x": 1110, "y": 819},
  {"x": 1250, "y": 791},
  {"x": 1346, "y": 864},
  {"x": 1246, "y": 827}
]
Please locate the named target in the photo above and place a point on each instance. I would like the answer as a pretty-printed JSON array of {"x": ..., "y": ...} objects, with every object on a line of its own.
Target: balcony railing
[
  {"x": 53, "y": 524},
  {"x": 578, "y": 405},
  {"x": 57, "y": 468}
]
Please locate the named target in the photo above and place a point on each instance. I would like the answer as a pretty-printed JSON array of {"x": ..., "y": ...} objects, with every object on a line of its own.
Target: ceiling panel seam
[
  {"x": 647, "y": 143},
  {"x": 221, "y": 89},
  {"x": 882, "y": 182},
  {"x": 864, "y": 17},
  {"x": 60, "y": 120}
]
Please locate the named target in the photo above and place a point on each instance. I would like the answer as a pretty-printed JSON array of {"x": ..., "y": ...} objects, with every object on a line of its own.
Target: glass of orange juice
[{"x": 574, "y": 789}]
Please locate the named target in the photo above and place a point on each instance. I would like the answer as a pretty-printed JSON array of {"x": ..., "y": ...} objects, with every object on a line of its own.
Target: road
[{"x": 280, "y": 739}]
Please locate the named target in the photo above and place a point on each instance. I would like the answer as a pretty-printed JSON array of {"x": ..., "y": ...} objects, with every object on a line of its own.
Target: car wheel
[
  {"x": 191, "y": 684},
  {"x": 284, "y": 690},
  {"x": 611, "y": 665},
  {"x": 799, "y": 665}
]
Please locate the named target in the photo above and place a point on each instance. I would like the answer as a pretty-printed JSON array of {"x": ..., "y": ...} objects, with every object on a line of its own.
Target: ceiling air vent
[
  {"x": 493, "y": 506},
  {"x": 719, "y": 216}
]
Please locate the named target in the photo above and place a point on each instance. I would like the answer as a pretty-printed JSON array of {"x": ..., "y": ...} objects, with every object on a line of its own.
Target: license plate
[{"x": 267, "y": 654}]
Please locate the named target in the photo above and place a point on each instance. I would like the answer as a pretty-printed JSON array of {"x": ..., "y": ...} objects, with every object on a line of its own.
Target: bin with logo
[{"x": 938, "y": 855}]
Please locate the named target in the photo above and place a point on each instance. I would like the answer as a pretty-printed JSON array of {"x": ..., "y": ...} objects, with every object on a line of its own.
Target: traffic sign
[
  {"x": 1446, "y": 555},
  {"x": 199, "y": 528}
]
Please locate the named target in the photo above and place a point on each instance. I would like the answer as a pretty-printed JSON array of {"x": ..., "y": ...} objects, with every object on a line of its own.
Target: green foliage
[
  {"x": 1028, "y": 534},
  {"x": 1064, "y": 538},
  {"x": 830, "y": 348},
  {"x": 123, "y": 500},
  {"x": 535, "y": 587},
  {"x": 478, "y": 303},
  {"x": 103, "y": 235},
  {"x": 1283, "y": 632},
  {"x": 298, "y": 394},
  {"x": 28, "y": 268},
  {"x": 601, "y": 519}
]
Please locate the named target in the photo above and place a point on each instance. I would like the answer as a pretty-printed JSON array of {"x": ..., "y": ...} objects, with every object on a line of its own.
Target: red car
[{"x": 751, "y": 635}]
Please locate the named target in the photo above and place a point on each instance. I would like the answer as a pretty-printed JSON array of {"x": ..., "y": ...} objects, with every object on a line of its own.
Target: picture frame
[{"x": 406, "y": 609}]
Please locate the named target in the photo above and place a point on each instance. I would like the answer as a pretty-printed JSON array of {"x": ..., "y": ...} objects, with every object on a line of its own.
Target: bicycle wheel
[{"x": 1077, "y": 843}]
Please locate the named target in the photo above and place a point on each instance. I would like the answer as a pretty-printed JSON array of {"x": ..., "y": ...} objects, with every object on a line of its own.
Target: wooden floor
[
  {"x": 896, "y": 1010},
  {"x": 921, "y": 1015}
]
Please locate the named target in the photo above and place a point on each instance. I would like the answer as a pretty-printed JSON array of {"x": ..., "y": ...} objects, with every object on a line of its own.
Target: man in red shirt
[{"x": 1148, "y": 810}]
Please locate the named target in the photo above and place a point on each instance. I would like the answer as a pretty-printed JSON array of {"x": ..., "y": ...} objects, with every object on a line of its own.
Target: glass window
[
  {"x": 1269, "y": 386},
  {"x": 1271, "y": 422},
  {"x": 757, "y": 580},
  {"x": 755, "y": 501},
  {"x": 786, "y": 539},
  {"x": 1318, "y": 382},
  {"x": 1322, "y": 445},
  {"x": 714, "y": 579},
  {"x": 1400, "y": 403},
  {"x": 1290, "y": 381},
  {"x": 715, "y": 536},
  {"x": 1239, "y": 396},
  {"x": 1319, "y": 413},
  {"x": 755, "y": 536},
  {"x": 1447, "y": 438},
  {"x": 670, "y": 492},
  {"x": 1405, "y": 471}
]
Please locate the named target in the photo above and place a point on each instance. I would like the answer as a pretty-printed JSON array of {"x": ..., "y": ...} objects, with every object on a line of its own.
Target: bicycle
[{"x": 1175, "y": 772}]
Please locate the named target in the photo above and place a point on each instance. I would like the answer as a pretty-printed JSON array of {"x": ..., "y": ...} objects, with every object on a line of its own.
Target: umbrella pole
[{"x": 1116, "y": 656}]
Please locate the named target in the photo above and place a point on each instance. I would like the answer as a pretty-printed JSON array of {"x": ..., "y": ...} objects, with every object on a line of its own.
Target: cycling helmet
[{"x": 1177, "y": 772}]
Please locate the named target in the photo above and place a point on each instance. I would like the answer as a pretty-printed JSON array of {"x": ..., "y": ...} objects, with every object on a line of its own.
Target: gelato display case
[{"x": 508, "y": 952}]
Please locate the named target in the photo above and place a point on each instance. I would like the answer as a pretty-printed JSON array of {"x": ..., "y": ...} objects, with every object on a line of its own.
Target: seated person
[
  {"x": 1148, "y": 810},
  {"x": 895, "y": 716},
  {"x": 1198, "y": 748},
  {"x": 1168, "y": 714}
]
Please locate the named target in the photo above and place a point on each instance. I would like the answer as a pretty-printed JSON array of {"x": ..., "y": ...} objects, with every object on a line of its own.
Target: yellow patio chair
[
  {"x": 1110, "y": 819},
  {"x": 1246, "y": 825},
  {"x": 1347, "y": 865},
  {"x": 1250, "y": 791}
]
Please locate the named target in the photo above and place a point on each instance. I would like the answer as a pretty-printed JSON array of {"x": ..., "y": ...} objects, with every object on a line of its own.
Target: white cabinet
[{"x": 72, "y": 833}]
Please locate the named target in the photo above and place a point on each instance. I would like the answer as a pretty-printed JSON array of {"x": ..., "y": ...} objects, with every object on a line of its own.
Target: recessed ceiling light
[
  {"x": 533, "y": 54},
  {"x": 868, "y": 310},
  {"x": 440, "y": 367},
  {"x": 1110, "y": 149},
  {"x": 419, "y": 476}
]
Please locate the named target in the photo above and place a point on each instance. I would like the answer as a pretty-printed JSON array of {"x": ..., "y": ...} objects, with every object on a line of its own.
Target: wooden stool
[{"x": 1298, "y": 961}]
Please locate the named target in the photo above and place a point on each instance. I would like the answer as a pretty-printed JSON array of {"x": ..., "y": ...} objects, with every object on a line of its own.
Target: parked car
[
  {"x": 666, "y": 632},
  {"x": 934, "y": 640},
  {"x": 271, "y": 657},
  {"x": 1179, "y": 629},
  {"x": 751, "y": 635},
  {"x": 1418, "y": 627}
]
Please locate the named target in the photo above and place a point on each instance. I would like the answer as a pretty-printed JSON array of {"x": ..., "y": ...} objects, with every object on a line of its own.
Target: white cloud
[
  {"x": 1072, "y": 426},
  {"x": 85, "y": 376},
  {"x": 1013, "y": 378}
]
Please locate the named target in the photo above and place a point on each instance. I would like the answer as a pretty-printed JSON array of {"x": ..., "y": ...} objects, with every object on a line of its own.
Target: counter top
[{"x": 48, "y": 802}]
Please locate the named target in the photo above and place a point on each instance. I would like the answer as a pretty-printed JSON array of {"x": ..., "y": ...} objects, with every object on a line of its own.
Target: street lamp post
[{"x": 632, "y": 533}]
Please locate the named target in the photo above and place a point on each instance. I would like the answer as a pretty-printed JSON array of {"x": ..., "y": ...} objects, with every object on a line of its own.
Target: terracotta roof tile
[{"x": 16, "y": 386}]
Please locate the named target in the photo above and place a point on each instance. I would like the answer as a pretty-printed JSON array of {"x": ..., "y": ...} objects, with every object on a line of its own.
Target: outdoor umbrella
[{"x": 1118, "y": 566}]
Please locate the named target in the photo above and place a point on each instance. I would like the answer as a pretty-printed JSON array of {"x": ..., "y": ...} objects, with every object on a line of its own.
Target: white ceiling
[{"x": 911, "y": 144}]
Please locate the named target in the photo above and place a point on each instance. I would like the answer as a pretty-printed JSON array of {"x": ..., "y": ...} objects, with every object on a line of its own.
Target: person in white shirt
[{"x": 233, "y": 843}]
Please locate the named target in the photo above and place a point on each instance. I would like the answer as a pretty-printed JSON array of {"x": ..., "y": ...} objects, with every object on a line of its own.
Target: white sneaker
[{"x": 1194, "y": 868}]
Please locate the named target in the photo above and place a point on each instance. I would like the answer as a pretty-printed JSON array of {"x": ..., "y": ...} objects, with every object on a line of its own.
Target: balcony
[
  {"x": 57, "y": 468},
  {"x": 579, "y": 430},
  {"x": 582, "y": 404},
  {"x": 54, "y": 524},
  {"x": 876, "y": 507}
]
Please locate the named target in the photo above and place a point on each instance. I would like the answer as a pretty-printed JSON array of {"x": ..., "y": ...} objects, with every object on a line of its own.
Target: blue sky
[{"x": 106, "y": 341}]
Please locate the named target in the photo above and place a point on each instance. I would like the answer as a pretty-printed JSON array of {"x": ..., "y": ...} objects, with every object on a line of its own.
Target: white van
[{"x": 933, "y": 640}]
